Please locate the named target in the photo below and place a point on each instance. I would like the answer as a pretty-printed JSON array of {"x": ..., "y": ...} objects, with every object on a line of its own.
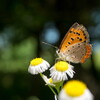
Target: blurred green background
[{"x": 24, "y": 24}]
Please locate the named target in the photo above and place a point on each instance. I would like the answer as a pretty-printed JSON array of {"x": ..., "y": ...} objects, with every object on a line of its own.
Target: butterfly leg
[
  {"x": 58, "y": 59},
  {"x": 69, "y": 62}
]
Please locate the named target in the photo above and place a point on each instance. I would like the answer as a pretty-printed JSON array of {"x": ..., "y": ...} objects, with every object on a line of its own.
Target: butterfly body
[{"x": 75, "y": 46}]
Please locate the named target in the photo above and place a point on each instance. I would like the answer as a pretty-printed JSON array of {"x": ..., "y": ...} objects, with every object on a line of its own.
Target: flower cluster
[{"x": 59, "y": 72}]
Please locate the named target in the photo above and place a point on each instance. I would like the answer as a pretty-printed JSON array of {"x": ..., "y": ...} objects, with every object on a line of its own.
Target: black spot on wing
[
  {"x": 84, "y": 41},
  {"x": 77, "y": 33},
  {"x": 70, "y": 31},
  {"x": 85, "y": 37},
  {"x": 72, "y": 39},
  {"x": 79, "y": 46},
  {"x": 77, "y": 37},
  {"x": 84, "y": 34},
  {"x": 68, "y": 42},
  {"x": 80, "y": 39},
  {"x": 68, "y": 50}
]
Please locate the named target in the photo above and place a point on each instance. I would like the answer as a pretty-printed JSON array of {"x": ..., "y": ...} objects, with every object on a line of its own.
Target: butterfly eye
[{"x": 58, "y": 51}]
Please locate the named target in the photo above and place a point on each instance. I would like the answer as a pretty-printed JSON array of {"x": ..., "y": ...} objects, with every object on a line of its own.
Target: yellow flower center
[
  {"x": 74, "y": 88},
  {"x": 50, "y": 80},
  {"x": 36, "y": 61},
  {"x": 61, "y": 66}
]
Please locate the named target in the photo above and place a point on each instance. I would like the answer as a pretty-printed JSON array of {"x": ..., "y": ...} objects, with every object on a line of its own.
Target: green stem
[
  {"x": 52, "y": 90},
  {"x": 57, "y": 89},
  {"x": 41, "y": 74},
  {"x": 62, "y": 84},
  {"x": 59, "y": 86}
]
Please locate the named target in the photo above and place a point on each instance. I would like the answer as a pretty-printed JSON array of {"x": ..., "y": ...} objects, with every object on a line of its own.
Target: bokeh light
[{"x": 50, "y": 33}]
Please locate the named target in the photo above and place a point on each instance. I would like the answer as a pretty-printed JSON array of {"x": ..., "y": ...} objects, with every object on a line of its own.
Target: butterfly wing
[
  {"x": 77, "y": 33},
  {"x": 76, "y": 53},
  {"x": 75, "y": 46}
]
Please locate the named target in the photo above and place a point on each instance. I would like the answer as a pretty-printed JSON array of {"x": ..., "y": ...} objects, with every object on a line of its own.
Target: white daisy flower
[
  {"x": 60, "y": 70},
  {"x": 48, "y": 81},
  {"x": 38, "y": 65},
  {"x": 75, "y": 90}
]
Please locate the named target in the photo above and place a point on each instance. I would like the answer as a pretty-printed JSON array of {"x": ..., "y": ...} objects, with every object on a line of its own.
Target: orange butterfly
[{"x": 75, "y": 46}]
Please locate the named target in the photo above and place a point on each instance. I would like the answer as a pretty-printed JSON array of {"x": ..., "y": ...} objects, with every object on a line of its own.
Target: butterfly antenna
[{"x": 50, "y": 45}]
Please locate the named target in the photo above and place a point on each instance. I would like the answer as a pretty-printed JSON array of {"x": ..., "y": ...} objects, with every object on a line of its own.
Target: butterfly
[{"x": 75, "y": 46}]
